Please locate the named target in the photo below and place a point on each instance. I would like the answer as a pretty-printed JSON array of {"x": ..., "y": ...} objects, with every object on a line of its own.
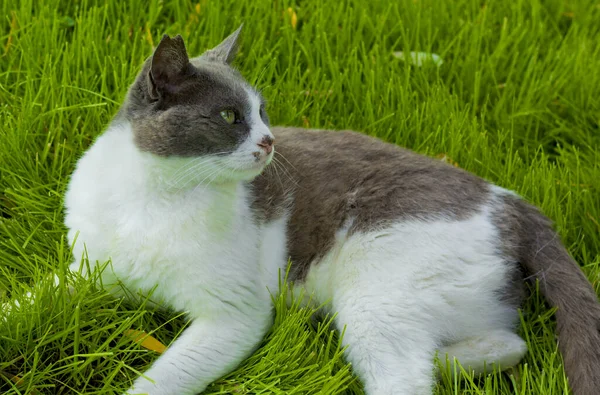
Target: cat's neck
[{"x": 167, "y": 177}]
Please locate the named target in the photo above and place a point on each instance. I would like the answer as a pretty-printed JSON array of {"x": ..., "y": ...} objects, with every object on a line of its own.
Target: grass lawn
[{"x": 517, "y": 101}]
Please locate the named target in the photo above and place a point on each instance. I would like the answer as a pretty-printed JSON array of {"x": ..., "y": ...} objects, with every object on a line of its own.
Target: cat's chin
[
  {"x": 176, "y": 173},
  {"x": 250, "y": 170}
]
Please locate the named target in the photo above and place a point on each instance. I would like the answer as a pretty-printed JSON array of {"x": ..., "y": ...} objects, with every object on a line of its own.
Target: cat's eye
[{"x": 229, "y": 116}]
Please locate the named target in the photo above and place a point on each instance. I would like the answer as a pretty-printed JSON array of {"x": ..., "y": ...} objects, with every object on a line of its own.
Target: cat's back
[
  {"x": 350, "y": 157},
  {"x": 328, "y": 168}
]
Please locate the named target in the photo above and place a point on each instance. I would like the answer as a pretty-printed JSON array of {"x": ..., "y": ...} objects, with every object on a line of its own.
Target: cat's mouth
[{"x": 262, "y": 159}]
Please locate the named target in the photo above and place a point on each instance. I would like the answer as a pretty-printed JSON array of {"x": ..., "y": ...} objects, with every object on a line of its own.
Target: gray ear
[
  {"x": 226, "y": 51},
  {"x": 169, "y": 64}
]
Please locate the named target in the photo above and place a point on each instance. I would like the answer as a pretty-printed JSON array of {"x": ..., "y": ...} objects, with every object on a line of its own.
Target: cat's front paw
[
  {"x": 162, "y": 386},
  {"x": 143, "y": 386}
]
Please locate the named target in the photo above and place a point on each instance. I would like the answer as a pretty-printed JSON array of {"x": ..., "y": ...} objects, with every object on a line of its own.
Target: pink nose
[{"x": 267, "y": 144}]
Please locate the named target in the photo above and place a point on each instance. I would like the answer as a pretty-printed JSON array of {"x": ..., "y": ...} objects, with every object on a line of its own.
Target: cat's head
[{"x": 199, "y": 114}]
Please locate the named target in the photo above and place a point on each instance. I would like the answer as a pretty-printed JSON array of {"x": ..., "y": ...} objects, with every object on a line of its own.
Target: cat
[{"x": 415, "y": 256}]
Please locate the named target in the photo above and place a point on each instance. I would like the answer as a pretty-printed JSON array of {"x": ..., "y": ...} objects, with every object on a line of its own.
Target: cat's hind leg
[
  {"x": 389, "y": 330},
  {"x": 391, "y": 354},
  {"x": 401, "y": 291},
  {"x": 500, "y": 349}
]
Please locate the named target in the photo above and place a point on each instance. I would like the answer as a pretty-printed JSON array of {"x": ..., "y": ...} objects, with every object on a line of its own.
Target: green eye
[{"x": 228, "y": 116}]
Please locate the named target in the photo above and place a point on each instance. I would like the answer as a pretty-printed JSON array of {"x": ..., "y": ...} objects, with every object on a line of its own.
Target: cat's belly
[{"x": 447, "y": 273}]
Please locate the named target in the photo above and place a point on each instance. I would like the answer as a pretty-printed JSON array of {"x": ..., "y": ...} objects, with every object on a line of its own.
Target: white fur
[
  {"x": 406, "y": 290},
  {"x": 255, "y": 121},
  {"x": 244, "y": 156},
  {"x": 198, "y": 242},
  {"x": 494, "y": 349}
]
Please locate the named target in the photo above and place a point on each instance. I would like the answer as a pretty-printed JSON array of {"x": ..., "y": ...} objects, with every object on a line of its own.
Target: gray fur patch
[{"x": 337, "y": 176}]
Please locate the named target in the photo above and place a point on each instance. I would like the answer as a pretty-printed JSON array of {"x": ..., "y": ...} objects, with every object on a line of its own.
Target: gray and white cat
[{"x": 414, "y": 256}]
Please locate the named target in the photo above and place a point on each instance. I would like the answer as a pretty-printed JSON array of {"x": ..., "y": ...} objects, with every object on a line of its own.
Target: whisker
[
  {"x": 274, "y": 169},
  {"x": 194, "y": 164},
  {"x": 286, "y": 171},
  {"x": 284, "y": 158},
  {"x": 193, "y": 180},
  {"x": 198, "y": 168},
  {"x": 212, "y": 177}
]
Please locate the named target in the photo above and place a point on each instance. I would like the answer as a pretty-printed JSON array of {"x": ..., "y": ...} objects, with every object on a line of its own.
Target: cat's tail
[{"x": 564, "y": 286}]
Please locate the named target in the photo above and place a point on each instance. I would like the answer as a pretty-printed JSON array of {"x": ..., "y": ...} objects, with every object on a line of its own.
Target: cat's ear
[
  {"x": 168, "y": 66},
  {"x": 226, "y": 51}
]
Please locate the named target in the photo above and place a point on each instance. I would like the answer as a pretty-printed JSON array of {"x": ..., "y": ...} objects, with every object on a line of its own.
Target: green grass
[{"x": 516, "y": 101}]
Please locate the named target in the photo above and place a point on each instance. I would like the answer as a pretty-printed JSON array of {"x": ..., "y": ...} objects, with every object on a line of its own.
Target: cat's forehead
[{"x": 218, "y": 84}]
